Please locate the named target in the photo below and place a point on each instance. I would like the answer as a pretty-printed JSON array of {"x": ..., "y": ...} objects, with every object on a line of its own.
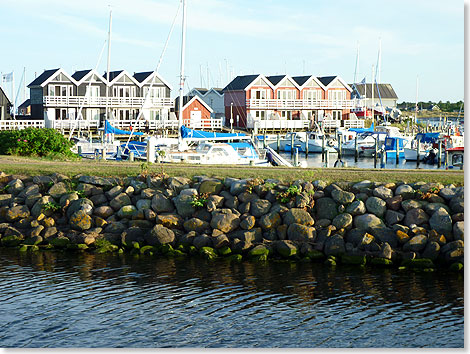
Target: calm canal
[{"x": 51, "y": 299}]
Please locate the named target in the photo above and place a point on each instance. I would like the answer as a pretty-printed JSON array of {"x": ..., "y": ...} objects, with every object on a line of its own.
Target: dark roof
[
  {"x": 43, "y": 77},
  {"x": 301, "y": 79},
  {"x": 386, "y": 90},
  {"x": 219, "y": 90},
  {"x": 5, "y": 95},
  {"x": 25, "y": 104},
  {"x": 201, "y": 90},
  {"x": 186, "y": 99},
  {"x": 78, "y": 75},
  {"x": 141, "y": 77},
  {"x": 325, "y": 80},
  {"x": 113, "y": 74},
  {"x": 275, "y": 79},
  {"x": 240, "y": 82}
]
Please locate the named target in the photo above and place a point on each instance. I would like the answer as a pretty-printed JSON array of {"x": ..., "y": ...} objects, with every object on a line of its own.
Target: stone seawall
[{"x": 418, "y": 225}]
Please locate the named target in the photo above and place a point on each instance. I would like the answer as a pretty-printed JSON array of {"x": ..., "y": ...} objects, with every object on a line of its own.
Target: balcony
[
  {"x": 112, "y": 102},
  {"x": 280, "y": 104}
]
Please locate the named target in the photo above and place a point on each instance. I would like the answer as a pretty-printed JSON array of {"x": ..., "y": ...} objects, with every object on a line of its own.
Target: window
[
  {"x": 336, "y": 115},
  {"x": 312, "y": 95},
  {"x": 337, "y": 95},
  {"x": 286, "y": 94},
  {"x": 154, "y": 115},
  {"x": 258, "y": 94}
]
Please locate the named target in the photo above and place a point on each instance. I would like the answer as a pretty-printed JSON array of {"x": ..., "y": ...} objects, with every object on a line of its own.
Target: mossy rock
[
  {"x": 77, "y": 246},
  {"x": 208, "y": 253},
  {"x": 418, "y": 263},
  {"x": 330, "y": 261},
  {"x": 120, "y": 251},
  {"x": 315, "y": 255},
  {"x": 355, "y": 260},
  {"x": 60, "y": 242},
  {"x": 235, "y": 258},
  {"x": 306, "y": 259},
  {"x": 181, "y": 248},
  {"x": 147, "y": 250},
  {"x": 192, "y": 250},
  {"x": 33, "y": 248},
  {"x": 381, "y": 261},
  {"x": 166, "y": 248},
  {"x": 23, "y": 248},
  {"x": 11, "y": 241},
  {"x": 257, "y": 251},
  {"x": 179, "y": 253},
  {"x": 135, "y": 245},
  {"x": 224, "y": 251},
  {"x": 456, "y": 267},
  {"x": 259, "y": 258},
  {"x": 35, "y": 240}
]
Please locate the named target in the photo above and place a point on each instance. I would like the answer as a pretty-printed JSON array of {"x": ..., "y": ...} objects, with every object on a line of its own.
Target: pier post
[
  {"x": 264, "y": 139},
  {"x": 446, "y": 159},
  {"x": 417, "y": 154},
  {"x": 296, "y": 157},
  {"x": 383, "y": 158},
  {"x": 278, "y": 142},
  {"x": 131, "y": 156},
  {"x": 323, "y": 148},
  {"x": 340, "y": 138},
  {"x": 306, "y": 144},
  {"x": 291, "y": 144},
  {"x": 103, "y": 154},
  {"x": 439, "y": 154},
  {"x": 79, "y": 149},
  {"x": 356, "y": 149},
  {"x": 397, "y": 151},
  {"x": 376, "y": 146},
  {"x": 327, "y": 158}
]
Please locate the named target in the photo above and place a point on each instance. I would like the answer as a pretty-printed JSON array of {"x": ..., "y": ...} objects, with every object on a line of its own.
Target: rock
[
  {"x": 80, "y": 204},
  {"x": 103, "y": 211},
  {"x": 298, "y": 216},
  {"x": 431, "y": 208},
  {"x": 394, "y": 203},
  {"x": 161, "y": 204},
  {"x": 141, "y": 224},
  {"x": 127, "y": 212},
  {"x": 404, "y": 190},
  {"x": 132, "y": 234},
  {"x": 416, "y": 216},
  {"x": 431, "y": 251},
  {"x": 143, "y": 204},
  {"x": 385, "y": 251},
  {"x": 220, "y": 241},
  {"x": 119, "y": 201},
  {"x": 171, "y": 221},
  {"x": 342, "y": 197},
  {"x": 456, "y": 255},
  {"x": 457, "y": 205},
  {"x": 183, "y": 205},
  {"x": 211, "y": 187},
  {"x": 248, "y": 223},
  {"x": 286, "y": 249},
  {"x": 98, "y": 199},
  {"x": 244, "y": 208},
  {"x": 178, "y": 183},
  {"x": 260, "y": 207},
  {"x": 238, "y": 186},
  {"x": 357, "y": 207},
  {"x": 366, "y": 221},
  {"x": 38, "y": 207},
  {"x": 416, "y": 243},
  {"x": 147, "y": 193},
  {"x": 384, "y": 234},
  {"x": 434, "y": 198},
  {"x": 225, "y": 220},
  {"x": 458, "y": 217},
  {"x": 441, "y": 222},
  {"x": 49, "y": 232},
  {"x": 201, "y": 241},
  {"x": 392, "y": 217},
  {"x": 17, "y": 212},
  {"x": 15, "y": 186},
  {"x": 402, "y": 237},
  {"x": 115, "y": 227},
  {"x": 334, "y": 246},
  {"x": 98, "y": 181},
  {"x": 458, "y": 230},
  {"x": 342, "y": 221},
  {"x": 197, "y": 225},
  {"x": 247, "y": 197},
  {"x": 136, "y": 187},
  {"x": 258, "y": 250},
  {"x": 160, "y": 235},
  {"x": 189, "y": 191},
  {"x": 326, "y": 208},
  {"x": 362, "y": 185},
  {"x": 382, "y": 193},
  {"x": 5, "y": 199},
  {"x": 318, "y": 195},
  {"x": 451, "y": 246},
  {"x": 376, "y": 206},
  {"x": 114, "y": 192},
  {"x": 299, "y": 232},
  {"x": 409, "y": 204},
  {"x": 447, "y": 193},
  {"x": 80, "y": 220}
]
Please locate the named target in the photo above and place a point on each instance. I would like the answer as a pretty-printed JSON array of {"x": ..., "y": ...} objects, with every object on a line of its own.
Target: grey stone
[
  {"x": 457, "y": 205},
  {"x": 160, "y": 235},
  {"x": 195, "y": 224},
  {"x": 383, "y": 193},
  {"x": 366, "y": 221},
  {"x": 334, "y": 246},
  {"x": 416, "y": 216},
  {"x": 441, "y": 222},
  {"x": 270, "y": 221},
  {"x": 447, "y": 193},
  {"x": 405, "y": 190},
  {"x": 80, "y": 220},
  {"x": 132, "y": 234},
  {"x": 183, "y": 205},
  {"x": 98, "y": 199},
  {"x": 178, "y": 183},
  {"x": 238, "y": 186},
  {"x": 15, "y": 186},
  {"x": 363, "y": 184},
  {"x": 385, "y": 234},
  {"x": 80, "y": 204},
  {"x": 299, "y": 232},
  {"x": 393, "y": 217},
  {"x": 260, "y": 207},
  {"x": 247, "y": 197},
  {"x": 326, "y": 208},
  {"x": 431, "y": 250},
  {"x": 161, "y": 204},
  {"x": 119, "y": 201},
  {"x": 113, "y": 192},
  {"x": 458, "y": 230},
  {"x": 115, "y": 227},
  {"x": 416, "y": 243},
  {"x": 220, "y": 241},
  {"x": 342, "y": 221},
  {"x": 409, "y": 204},
  {"x": 376, "y": 206},
  {"x": 189, "y": 191},
  {"x": 299, "y": 216},
  {"x": 342, "y": 197},
  {"x": 127, "y": 212},
  {"x": 225, "y": 221},
  {"x": 286, "y": 248},
  {"x": 138, "y": 186},
  {"x": 17, "y": 212},
  {"x": 357, "y": 207},
  {"x": 248, "y": 223},
  {"x": 319, "y": 184},
  {"x": 451, "y": 246},
  {"x": 103, "y": 211},
  {"x": 202, "y": 241},
  {"x": 431, "y": 208},
  {"x": 143, "y": 204}
]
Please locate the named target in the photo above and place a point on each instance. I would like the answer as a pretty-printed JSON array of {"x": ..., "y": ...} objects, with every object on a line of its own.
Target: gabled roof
[
  {"x": 83, "y": 75},
  {"x": 241, "y": 82},
  {"x": 187, "y": 100},
  {"x": 78, "y": 75},
  {"x": 219, "y": 90},
  {"x": 201, "y": 90},
  {"x": 4, "y": 94},
  {"x": 275, "y": 79},
  {"x": 304, "y": 80},
  {"x": 25, "y": 104},
  {"x": 326, "y": 80},
  {"x": 146, "y": 76},
  {"x": 386, "y": 90},
  {"x": 113, "y": 74},
  {"x": 116, "y": 75},
  {"x": 47, "y": 74}
]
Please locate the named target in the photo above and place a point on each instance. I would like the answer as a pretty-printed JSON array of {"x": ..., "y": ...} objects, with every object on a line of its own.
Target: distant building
[
  {"x": 55, "y": 95},
  {"x": 5, "y": 106},
  {"x": 214, "y": 98},
  {"x": 384, "y": 92},
  {"x": 24, "y": 109},
  {"x": 196, "y": 112},
  {"x": 286, "y": 102}
]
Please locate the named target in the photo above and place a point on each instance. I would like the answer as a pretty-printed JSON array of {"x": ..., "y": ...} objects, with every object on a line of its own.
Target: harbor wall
[{"x": 416, "y": 226}]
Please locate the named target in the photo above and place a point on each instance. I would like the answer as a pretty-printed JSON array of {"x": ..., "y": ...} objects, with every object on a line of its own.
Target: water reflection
[{"x": 298, "y": 298}]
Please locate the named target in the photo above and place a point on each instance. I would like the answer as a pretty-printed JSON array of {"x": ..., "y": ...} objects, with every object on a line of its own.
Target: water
[{"x": 83, "y": 300}]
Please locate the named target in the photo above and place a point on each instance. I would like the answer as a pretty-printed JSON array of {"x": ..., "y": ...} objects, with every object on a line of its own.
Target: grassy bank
[{"x": 37, "y": 166}]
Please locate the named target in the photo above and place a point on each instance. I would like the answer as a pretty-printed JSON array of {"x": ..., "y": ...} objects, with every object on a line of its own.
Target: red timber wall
[
  {"x": 197, "y": 106},
  {"x": 238, "y": 98},
  {"x": 344, "y": 112}
]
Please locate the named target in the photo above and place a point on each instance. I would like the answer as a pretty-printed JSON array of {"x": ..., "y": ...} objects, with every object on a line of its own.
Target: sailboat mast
[
  {"x": 416, "y": 108},
  {"x": 107, "y": 65},
  {"x": 357, "y": 62},
  {"x": 180, "y": 103}
]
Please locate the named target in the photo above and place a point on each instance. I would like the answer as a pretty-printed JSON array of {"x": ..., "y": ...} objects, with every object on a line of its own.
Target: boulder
[
  {"x": 98, "y": 199},
  {"x": 184, "y": 206},
  {"x": 416, "y": 216},
  {"x": 458, "y": 230},
  {"x": 431, "y": 250},
  {"x": 342, "y": 221},
  {"x": 114, "y": 192},
  {"x": 382, "y": 193},
  {"x": 5, "y": 199},
  {"x": 80, "y": 220},
  {"x": 237, "y": 186},
  {"x": 98, "y": 181},
  {"x": 366, "y": 221},
  {"x": 38, "y": 207},
  {"x": 80, "y": 204},
  {"x": 161, "y": 204},
  {"x": 416, "y": 243},
  {"x": 201, "y": 241},
  {"x": 17, "y": 212},
  {"x": 362, "y": 185},
  {"x": 225, "y": 221},
  {"x": 457, "y": 205},
  {"x": 394, "y": 203},
  {"x": 119, "y": 201},
  {"x": 160, "y": 235},
  {"x": 334, "y": 246},
  {"x": 298, "y": 216},
  {"x": 405, "y": 190},
  {"x": 342, "y": 197},
  {"x": 393, "y": 217},
  {"x": 211, "y": 187},
  {"x": 178, "y": 183},
  {"x": 357, "y": 207},
  {"x": 441, "y": 222},
  {"x": 15, "y": 186},
  {"x": 299, "y": 232},
  {"x": 286, "y": 248},
  {"x": 409, "y": 204},
  {"x": 248, "y": 223},
  {"x": 220, "y": 241},
  {"x": 385, "y": 234},
  {"x": 260, "y": 207},
  {"x": 57, "y": 190},
  {"x": 171, "y": 221},
  {"x": 143, "y": 204},
  {"x": 132, "y": 234},
  {"x": 326, "y": 208},
  {"x": 376, "y": 206},
  {"x": 127, "y": 212},
  {"x": 447, "y": 193},
  {"x": 195, "y": 224},
  {"x": 431, "y": 208},
  {"x": 103, "y": 211}
]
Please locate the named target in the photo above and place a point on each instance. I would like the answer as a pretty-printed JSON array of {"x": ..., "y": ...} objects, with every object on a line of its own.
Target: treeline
[{"x": 443, "y": 106}]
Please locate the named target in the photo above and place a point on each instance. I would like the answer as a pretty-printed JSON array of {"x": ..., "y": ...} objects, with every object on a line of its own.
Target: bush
[{"x": 34, "y": 142}]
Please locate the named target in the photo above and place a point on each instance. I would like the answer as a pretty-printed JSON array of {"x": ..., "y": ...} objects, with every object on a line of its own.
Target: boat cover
[
  {"x": 191, "y": 133},
  {"x": 427, "y": 137},
  {"x": 109, "y": 129},
  {"x": 362, "y": 130}
]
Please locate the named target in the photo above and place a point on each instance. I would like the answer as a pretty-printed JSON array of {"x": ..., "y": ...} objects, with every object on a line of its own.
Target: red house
[{"x": 196, "y": 113}]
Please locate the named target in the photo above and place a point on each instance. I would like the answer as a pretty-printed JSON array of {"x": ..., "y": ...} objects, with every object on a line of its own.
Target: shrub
[{"x": 34, "y": 142}]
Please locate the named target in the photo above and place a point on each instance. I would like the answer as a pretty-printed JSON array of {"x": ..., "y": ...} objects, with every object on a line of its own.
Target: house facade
[
  {"x": 213, "y": 97},
  {"x": 283, "y": 101},
  {"x": 196, "y": 112},
  {"x": 87, "y": 95},
  {"x": 384, "y": 92},
  {"x": 5, "y": 106}
]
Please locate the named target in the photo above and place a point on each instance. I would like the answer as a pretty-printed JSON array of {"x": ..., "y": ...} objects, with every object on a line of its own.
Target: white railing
[
  {"x": 330, "y": 124},
  {"x": 300, "y": 104},
  {"x": 77, "y": 101},
  {"x": 211, "y": 123},
  {"x": 141, "y": 124},
  {"x": 353, "y": 123},
  {"x": 68, "y": 124},
  {"x": 20, "y": 124},
  {"x": 279, "y": 124}
]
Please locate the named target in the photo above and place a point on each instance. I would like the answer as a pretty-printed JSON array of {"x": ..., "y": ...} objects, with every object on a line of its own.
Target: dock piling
[
  {"x": 376, "y": 146},
  {"x": 291, "y": 144},
  {"x": 417, "y": 154},
  {"x": 306, "y": 144},
  {"x": 439, "y": 155},
  {"x": 323, "y": 148},
  {"x": 397, "y": 152},
  {"x": 296, "y": 157},
  {"x": 356, "y": 149},
  {"x": 131, "y": 156},
  {"x": 278, "y": 142}
]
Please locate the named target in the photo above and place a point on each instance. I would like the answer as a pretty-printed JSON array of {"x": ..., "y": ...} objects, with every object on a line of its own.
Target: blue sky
[{"x": 423, "y": 38}]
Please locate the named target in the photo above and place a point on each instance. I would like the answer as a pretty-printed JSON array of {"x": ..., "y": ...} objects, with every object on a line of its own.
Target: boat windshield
[{"x": 203, "y": 148}]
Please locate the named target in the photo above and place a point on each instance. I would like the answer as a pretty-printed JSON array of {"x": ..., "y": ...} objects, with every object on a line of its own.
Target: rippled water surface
[{"x": 82, "y": 300}]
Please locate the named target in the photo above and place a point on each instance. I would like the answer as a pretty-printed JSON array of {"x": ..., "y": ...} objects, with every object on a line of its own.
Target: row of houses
[{"x": 248, "y": 101}]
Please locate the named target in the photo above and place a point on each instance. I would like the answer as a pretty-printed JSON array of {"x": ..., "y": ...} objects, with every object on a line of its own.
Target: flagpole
[{"x": 13, "y": 93}]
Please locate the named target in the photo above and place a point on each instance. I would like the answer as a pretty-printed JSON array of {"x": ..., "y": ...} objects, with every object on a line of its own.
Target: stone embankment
[{"x": 418, "y": 225}]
